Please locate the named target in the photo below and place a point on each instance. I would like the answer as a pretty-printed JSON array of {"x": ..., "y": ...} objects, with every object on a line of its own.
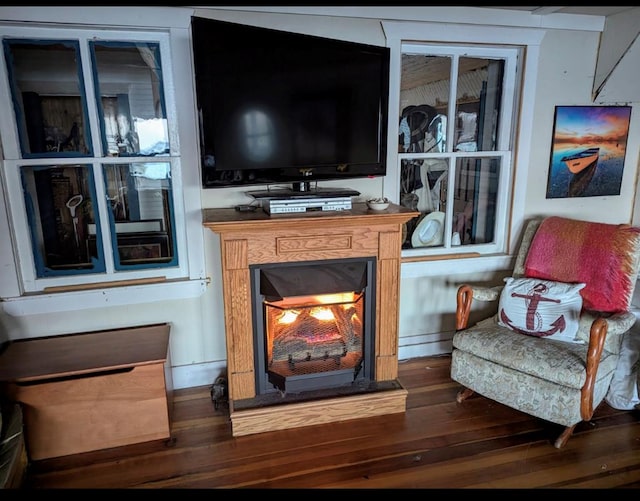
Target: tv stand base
[{"x": 288, "y": 193}]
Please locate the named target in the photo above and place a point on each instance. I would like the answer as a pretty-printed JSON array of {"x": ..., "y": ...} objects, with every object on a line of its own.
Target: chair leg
[
  {"x": 463, "y": 394},
  {"x": 564, "y": 437}
]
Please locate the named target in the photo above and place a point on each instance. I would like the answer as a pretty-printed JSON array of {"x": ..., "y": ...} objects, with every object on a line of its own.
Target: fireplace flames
[{"x": 308, "y": 328}]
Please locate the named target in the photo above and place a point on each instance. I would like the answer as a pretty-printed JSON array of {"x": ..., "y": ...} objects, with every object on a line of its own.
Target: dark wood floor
[{"x": 437, "y": 443}]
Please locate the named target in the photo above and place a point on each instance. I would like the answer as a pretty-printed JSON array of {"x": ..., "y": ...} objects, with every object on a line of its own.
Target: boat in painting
[
  {"x": 580, "y": 182},
  {"x": 581, "y": 160}
]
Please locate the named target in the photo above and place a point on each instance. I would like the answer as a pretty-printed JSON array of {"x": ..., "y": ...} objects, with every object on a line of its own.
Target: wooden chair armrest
[
  {"x": 466, "y": 294},
  {"x": 464, "y": 299},
  {"x": 597, "y": 337}
]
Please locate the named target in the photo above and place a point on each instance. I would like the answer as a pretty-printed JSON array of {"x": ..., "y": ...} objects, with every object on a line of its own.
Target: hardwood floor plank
[{"x": 436, "y": 443}]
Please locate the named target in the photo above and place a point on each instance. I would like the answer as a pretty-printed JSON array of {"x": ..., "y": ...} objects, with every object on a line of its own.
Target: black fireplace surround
[{"x": 310, "y": 355}]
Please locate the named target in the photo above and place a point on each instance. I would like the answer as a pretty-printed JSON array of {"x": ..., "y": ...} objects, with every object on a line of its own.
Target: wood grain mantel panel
[
  {"x": 294, "y": 245},
  {"x": 388, "y": 244},
  {"x": 236, "y": 286},
  {"x": 239, "y": 332},
  {"x": 387, "y": 305},
  {"x": 313, "y": 243},
  {"x": 235, "y": 254},
  {"x": 256, "y": 238}
]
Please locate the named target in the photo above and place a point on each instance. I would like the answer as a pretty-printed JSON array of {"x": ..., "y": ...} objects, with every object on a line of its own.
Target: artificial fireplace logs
[{"x": 314, "y": 328}]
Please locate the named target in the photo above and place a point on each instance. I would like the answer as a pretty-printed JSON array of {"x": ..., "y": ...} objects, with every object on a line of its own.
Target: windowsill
[
  {"x": 57, "y": 302},
  {"x": 454, "y": 264}
]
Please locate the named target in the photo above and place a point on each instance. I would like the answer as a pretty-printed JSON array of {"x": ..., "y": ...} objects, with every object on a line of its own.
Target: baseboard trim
[
  {"x": 189, "y": 376},
  {"x": 425, "y": 345}
]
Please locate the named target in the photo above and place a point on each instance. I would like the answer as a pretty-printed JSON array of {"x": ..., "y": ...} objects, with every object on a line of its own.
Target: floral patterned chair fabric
[{"x": 558, "y": 381}]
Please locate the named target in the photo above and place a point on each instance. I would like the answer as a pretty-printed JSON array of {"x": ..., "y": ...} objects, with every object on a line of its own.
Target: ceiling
[
  {"x": 591, "y": 11},
  {"x": 615, "y": 78},
  {"x": 414, "y": 69}
]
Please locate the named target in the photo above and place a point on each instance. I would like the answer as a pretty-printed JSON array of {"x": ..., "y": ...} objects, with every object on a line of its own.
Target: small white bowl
[{"x": 378, "y": 203}]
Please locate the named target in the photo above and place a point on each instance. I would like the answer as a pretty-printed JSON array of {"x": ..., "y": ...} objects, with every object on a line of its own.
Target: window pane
[
  {"x": 474, "y": 199},
  {"x": 60, "y": 210},
  {"x": 128, "y": 80},
  {"x": 479, "y": 94},
  {"x": 48, "y": 98},
  {"x": 424, "y": 98},
  {"x": 423, "y": 187},
  {"x": 141, "y": 214}
]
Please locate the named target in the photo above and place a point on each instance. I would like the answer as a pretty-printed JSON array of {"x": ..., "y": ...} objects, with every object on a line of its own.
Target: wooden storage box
[{"x": 90, "y": 391}]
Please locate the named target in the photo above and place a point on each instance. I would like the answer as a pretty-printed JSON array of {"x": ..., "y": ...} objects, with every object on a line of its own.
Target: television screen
[{"x": 277, "y": 107}]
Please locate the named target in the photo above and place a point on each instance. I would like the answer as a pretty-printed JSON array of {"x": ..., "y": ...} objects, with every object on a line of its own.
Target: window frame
[
  {"x": 503, "y": 151},
  {"x": 28, "y": 281},
  {"x": 474, "y": 38}
]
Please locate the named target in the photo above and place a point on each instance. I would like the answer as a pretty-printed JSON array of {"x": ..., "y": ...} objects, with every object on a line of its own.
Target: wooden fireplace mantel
[{"x": 248, "y": 238}]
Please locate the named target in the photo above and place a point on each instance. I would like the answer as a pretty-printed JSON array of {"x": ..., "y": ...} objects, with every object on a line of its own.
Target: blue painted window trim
[
  {"x": 43, "y": 271},
  {"x": 21, "y": 119},
  {"x": 94, "y": 68}
]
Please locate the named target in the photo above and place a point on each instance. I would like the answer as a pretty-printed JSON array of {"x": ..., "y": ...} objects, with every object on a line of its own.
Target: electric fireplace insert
[{"x": 313, "y": 325}]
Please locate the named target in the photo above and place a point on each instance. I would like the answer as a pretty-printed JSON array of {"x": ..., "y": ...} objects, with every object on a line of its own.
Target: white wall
[
  {"x": 565, "y": 77},
  {"x": 567, "y": 66}
]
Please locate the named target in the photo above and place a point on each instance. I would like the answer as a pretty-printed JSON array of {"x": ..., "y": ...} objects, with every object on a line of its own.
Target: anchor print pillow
[{"x": 541, "y": 308}]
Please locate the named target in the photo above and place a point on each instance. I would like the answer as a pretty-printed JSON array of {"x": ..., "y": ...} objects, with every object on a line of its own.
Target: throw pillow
[{"x": 541, "y": 308}]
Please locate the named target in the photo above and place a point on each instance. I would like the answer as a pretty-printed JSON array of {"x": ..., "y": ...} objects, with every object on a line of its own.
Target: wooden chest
[{"x": 90, "y": 391}]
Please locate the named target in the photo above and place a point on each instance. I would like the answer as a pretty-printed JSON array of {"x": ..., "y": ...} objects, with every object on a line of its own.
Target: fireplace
[
  {"x": 313, "y": 324},
  {"x": 306, "y": 268}
]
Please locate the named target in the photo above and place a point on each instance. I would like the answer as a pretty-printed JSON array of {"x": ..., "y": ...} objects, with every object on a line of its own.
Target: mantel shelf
[{"x": 225, "y": 220}]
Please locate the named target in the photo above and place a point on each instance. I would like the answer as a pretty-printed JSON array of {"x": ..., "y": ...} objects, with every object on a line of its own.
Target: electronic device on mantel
[
  {"x": 285, "y": 201},
  {"x": 277, "y": 107}
]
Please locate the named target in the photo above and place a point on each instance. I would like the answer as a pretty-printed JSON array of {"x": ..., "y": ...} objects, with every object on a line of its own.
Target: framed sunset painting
[{"x": 588, "y": 148}]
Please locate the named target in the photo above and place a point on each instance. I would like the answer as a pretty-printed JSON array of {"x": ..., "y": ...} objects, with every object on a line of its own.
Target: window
[
  {"x": 455, "y": 123},
  {"x": 92, "y": 177}
]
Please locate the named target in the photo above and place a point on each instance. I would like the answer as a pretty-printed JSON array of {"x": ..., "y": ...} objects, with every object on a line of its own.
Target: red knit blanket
[{"x": 600, "y": 255}]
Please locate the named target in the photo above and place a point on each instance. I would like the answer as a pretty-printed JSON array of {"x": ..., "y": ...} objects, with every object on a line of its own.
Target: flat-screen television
[{"x": 279, "y": 107}]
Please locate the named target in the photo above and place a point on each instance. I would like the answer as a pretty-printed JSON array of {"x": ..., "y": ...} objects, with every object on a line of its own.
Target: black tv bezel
[{"x": 295, "y": 176}]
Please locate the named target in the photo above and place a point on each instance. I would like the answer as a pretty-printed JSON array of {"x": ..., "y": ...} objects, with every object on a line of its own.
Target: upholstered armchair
[{"x": 552, "y": 347}]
